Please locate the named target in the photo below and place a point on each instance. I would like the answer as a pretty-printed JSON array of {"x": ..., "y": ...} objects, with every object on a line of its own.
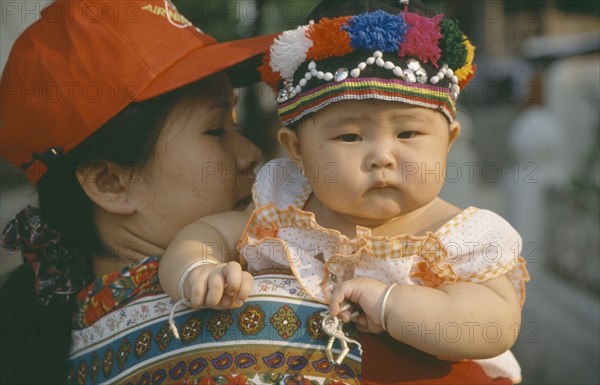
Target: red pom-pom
[
  {"x": 266, "y": 73},
  {"x": 329, "y": 40}
]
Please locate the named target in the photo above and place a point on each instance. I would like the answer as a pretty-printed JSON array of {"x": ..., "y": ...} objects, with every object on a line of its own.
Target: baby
[{"x": 368, "y": 106}]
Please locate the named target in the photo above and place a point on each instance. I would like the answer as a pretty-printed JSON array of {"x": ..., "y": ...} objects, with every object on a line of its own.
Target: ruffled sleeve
[
  {"x": 481, "y": 245},
  {"x": 281, "y": 183}
]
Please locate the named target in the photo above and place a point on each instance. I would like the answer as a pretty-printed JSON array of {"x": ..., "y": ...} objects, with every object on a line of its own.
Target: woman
[{"x": 123, "y": 125}]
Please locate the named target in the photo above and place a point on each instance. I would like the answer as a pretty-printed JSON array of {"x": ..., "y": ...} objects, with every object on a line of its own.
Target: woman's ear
[
  {"x": 107, "y": 185},
  {"x": 288, "y": 138},
  {"x": 454, "y": 133}
]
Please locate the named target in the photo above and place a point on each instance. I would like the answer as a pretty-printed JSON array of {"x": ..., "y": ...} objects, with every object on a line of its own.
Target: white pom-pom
[{"x": 288, "y": 51}]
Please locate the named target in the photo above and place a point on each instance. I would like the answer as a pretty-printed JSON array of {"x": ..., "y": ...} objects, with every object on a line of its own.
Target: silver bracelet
[
  {"x": 382, "y": 311},
  {"x": 182, "y": 299},
  {"x": 188, "y": 271}
]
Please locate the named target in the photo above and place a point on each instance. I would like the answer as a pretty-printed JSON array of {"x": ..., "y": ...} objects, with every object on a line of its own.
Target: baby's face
[{"x": 375, "y": 160}]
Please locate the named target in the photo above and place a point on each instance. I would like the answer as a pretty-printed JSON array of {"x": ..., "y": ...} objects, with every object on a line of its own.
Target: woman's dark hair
[{"x": 36, "y": 338}]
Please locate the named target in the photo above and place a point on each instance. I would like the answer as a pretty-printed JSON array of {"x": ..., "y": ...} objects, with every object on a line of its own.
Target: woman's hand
[
  {"x": 220, "y": 286},
  {"x": 367, "y": 293}
]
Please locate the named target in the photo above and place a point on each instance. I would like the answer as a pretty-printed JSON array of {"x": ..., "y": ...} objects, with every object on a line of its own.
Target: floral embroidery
[
  {"x": 143, "y": 344},
  {"x": 107, "y": 362},
  {"x": 251, "y": 320},
  {"x": 285, "y": 321},
  {"x": 191, "y": 329},
  {"x": 123, "y": 353},
  {"x": 82, "y": 373},
  {"x": 163, "y": 337},
  {"x": 94, "y": 367},
  {"x": 313, "y": 326},
  {"x": 219, "y": 323}
]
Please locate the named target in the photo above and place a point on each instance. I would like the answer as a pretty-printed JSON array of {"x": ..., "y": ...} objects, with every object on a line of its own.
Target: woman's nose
[{"x": 247, "y": 154}]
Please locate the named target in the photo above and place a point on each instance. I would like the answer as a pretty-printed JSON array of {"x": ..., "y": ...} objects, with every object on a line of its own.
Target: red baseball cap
[{"x": 83, "y": 61}]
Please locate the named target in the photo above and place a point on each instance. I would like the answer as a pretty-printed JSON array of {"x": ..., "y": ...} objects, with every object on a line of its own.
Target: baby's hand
[
  {"x": 220, "y": 286},
  {"x": 367, "y": 293}
]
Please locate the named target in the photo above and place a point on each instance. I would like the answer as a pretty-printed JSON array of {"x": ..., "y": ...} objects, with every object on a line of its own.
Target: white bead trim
[{"x": 412, "y": 74}]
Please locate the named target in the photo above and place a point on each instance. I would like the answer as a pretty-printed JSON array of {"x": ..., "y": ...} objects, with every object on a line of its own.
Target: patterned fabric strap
[
  {"x": 115, "y": 290},
  {"x": 58, "y": 273}
]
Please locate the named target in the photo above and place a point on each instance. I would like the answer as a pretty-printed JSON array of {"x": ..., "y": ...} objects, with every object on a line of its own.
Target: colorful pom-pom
[
  {"x": 272, "y": 79},
  {"x": 466, "y": 72},
  {"x": 377, "y": 30},
  {"x": 288, "y": 51},
  {"x": 329, "y": 39},
  {"x": 422, "y": 38},
  {"x": 454, "y": 52}
]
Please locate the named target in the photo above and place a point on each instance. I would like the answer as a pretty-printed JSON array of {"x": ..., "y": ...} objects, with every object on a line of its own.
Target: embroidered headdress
[{"x": 400, "y": 56}]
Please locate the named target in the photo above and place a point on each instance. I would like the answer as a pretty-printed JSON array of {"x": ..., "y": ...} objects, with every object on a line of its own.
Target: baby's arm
[
  {"x": 219, "y": 286},
  {"x": 458, "y": 321}
]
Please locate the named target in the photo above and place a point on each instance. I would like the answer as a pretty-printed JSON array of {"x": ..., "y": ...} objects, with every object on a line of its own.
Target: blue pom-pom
[{"x": 376, "y": 31}]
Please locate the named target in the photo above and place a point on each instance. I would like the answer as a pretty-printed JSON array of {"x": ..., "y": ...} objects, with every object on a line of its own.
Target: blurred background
[{"x": 529, "y": 150}]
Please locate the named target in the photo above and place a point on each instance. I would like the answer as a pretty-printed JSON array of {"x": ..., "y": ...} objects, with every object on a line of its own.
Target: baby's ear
[
  {"x": 288, "y": 138},
  {"x": 107, "y": 185},
  {"x": 454, "y": 133}
]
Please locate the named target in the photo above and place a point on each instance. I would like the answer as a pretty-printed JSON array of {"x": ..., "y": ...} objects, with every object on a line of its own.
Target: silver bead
[
  {"x": 434, "y": 79},
  {"x": 409, "y": 76},
  {"x": 421, "y": 75},
  {"x": 282, "y": 96},
  {"x": 380, "y": 62},
  {"x": 398, "y": 72},
  {"x": 370, "y": 60},
  {"x": 320, "y": 75},
  {"x": 328, "y": 76},
  {"x": 413, "y": 65},
  {"x": 355, "y": 73},
  {"x": 378, "y": 54},
  {"x": 388, "y": 65},
  {"x": 341, "y": 74},
  {"x": 362, "y": 66},
  {"x": 455, "y": 90},
  {"x": 312, "y": 65}
]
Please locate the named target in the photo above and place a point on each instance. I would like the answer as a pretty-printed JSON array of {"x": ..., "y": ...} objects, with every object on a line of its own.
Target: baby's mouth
[{"x": 241, "y": 204}]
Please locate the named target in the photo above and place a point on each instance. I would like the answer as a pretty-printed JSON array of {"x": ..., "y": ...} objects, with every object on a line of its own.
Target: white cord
[
  {"x": 183, "y": 300},
  {"x": 382, "y": 311}
]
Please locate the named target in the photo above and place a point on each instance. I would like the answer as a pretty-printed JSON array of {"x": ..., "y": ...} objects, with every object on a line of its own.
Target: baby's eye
[
  {"x": 349, "y": 138},
  {"x": 407, "y": 134},
  {"x": 216, "y": 132}
]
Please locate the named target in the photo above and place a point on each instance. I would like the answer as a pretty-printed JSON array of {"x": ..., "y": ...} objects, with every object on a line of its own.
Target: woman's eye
[
  {"x": 407, "y": 134},
  {"x": 216, "y": 132},
  {"x": 349, "y": 138}
]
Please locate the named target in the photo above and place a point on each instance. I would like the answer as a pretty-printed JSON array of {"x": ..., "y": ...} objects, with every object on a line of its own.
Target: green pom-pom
[{"x": 454, "y": 53}]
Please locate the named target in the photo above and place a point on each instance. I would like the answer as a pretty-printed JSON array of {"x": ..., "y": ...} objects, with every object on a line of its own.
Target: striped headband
[{"x": 405, "y": 57}]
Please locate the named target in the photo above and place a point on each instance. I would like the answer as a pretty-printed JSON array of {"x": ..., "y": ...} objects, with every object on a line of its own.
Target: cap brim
[{"x": 207, "y": 61}]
